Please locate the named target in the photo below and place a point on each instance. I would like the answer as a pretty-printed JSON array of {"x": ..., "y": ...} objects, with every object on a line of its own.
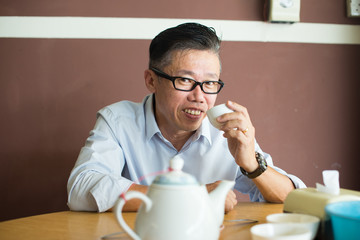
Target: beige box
[{"x": 311, "y": 201}]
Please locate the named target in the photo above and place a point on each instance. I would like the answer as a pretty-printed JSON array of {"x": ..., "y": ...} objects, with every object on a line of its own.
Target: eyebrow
[{"x": 187, "y": 72}]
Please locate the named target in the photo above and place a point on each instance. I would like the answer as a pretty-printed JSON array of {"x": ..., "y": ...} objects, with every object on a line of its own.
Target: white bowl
[
  {"x": 308, "y": 221},
  {"x": 280, "y": 231},
  {"x": 217, "y": 111}
]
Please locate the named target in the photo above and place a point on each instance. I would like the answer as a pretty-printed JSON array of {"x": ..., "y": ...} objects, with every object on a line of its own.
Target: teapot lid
[{"x": 175, "y": 176}]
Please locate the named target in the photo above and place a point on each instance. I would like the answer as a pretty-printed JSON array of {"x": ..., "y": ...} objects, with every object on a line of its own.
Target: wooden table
[{"x": 87, "y": 225}]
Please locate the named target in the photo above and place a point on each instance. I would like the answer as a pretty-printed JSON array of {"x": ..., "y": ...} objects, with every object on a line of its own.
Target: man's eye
[
  {"x": 185, "y": 81},
  {"x": 209, "y": 83}
]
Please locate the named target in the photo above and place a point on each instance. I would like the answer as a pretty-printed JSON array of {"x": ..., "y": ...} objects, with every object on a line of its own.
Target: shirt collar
[
  {"x": 205, "y": 129},
  {"x": 152, "y": 127}
]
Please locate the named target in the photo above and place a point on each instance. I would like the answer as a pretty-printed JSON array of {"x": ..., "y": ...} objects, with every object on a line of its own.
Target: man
[{"x": 130, "y": 141}]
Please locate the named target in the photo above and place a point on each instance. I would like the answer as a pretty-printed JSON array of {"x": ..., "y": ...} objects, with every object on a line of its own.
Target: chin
[{"x": 192, "y": 127}]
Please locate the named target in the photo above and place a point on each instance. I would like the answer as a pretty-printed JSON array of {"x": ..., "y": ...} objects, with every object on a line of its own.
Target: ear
[{"x": 149, "y": 77}]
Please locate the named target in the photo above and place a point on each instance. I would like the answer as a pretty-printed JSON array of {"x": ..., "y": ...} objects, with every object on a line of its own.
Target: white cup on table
[{"x": 304, "y": 220}]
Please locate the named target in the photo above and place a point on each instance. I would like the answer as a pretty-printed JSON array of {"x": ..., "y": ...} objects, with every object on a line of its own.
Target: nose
[{"x": 197, "y": 95}]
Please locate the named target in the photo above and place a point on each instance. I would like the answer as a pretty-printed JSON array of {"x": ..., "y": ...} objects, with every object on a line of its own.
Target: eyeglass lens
[{"x": 189, "y": 84}]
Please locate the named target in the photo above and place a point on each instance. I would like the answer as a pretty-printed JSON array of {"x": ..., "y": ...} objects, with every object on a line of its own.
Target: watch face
[
  {"x": 286, "y": 3},
  {"x": 263, "y": 164}
]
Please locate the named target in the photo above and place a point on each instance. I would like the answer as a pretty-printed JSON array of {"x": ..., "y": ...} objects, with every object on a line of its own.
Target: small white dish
[
  {"x": 215, "y": 112},
  {"x": 308, "y": 221},
  {"x": 280, "y": 231}
]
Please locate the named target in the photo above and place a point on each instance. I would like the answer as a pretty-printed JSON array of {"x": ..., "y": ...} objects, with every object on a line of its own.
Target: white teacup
[
  {"x": 217, "y": 111},
  {"x": 280, "y": 231},
  {"x": 308, "y": 221}
]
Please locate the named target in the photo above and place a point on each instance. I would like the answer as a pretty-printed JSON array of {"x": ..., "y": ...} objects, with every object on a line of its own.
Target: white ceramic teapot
[{"x": 177, "y": 207}]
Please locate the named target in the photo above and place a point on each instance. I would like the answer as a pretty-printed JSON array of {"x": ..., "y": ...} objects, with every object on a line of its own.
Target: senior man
[{"x": 131, "y": 140}]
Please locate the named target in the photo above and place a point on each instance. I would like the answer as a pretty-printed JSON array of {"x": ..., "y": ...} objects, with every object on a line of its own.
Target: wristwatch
[{"x": 262, "y": 167}]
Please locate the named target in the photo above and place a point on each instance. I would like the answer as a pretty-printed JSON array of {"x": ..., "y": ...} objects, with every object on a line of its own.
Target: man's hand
[
  {"x": 230, "y": 200},
  {"x": 134, "y": 204},
  {"x": 240, "y": 134}
]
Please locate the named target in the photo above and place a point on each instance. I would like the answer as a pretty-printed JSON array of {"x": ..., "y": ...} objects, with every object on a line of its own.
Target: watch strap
[{"x": 262, "y": 167}]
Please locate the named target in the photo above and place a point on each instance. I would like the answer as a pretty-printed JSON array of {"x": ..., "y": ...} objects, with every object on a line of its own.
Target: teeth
[{"x": 193, "y": 112}]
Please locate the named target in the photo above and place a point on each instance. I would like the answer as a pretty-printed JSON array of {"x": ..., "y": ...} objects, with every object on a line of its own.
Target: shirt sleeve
[{"x": 95, "y": 182}]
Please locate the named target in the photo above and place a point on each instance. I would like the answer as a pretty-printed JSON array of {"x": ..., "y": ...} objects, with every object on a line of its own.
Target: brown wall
[{"x": 303, "y": 98}]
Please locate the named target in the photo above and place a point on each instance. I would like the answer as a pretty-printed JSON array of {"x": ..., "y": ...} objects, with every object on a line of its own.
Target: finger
[
  {"x": 237, "y": 124},
  {"x": 235, "y": 120},
  {"x": 235, "y": 201},
  {"x": 231, "y": 194},
  {"x": 232, "y": 197},
  {"x": 227, "y": 117},
  {"x": 228, "y": 207},
  {"x": 238, "y": 135},
  {"x": 237, "y": 108},
  {"x": 230, "y": 204}
]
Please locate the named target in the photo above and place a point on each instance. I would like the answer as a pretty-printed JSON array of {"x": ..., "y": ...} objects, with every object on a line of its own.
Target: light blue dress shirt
[{"x": 126, "y": 145}]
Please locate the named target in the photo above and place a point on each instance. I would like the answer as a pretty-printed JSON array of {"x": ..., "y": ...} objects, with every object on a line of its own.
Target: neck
[{"x": 178, "y": 139}]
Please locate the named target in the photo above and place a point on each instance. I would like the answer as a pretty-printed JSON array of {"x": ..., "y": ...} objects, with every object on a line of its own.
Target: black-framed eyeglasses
[{"x": 188, "y": 84}]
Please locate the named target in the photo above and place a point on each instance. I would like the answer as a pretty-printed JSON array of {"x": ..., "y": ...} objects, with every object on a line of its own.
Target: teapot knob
[
  {"x": 176, "y": 163},
  {"x": 175, "y": 175}
]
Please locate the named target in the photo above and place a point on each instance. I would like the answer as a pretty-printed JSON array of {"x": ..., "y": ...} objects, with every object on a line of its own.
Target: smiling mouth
[{"x": 193, "y": 112}]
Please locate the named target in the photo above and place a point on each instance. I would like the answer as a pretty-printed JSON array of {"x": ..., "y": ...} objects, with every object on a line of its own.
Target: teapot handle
[{"x": 120, "y": 204}]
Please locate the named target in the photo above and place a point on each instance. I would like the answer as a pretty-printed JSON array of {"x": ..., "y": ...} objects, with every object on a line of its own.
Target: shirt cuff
[
  {"x": 296, "y": 181},
  {"x": 106, "y": 194}
]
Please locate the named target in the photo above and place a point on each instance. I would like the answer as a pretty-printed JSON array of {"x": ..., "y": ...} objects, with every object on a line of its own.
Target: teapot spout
[{"x": 218, "y": 197}]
